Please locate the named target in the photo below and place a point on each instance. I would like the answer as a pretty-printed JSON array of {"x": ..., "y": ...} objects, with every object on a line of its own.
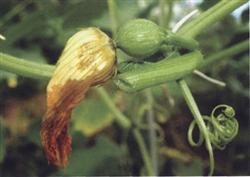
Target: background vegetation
[{"x": 37, "y": 30}]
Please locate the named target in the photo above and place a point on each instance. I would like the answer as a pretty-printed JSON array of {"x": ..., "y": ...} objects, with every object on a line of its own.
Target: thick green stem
[
  {"x": 143, "y": 150},
  {"x": 209, "y": 17},
  {"x": 141, "y": 76},
  {"x": 199, "y": 120},
  {"x": 223, "y": 54},
  {"x": 25, "y": 68}
]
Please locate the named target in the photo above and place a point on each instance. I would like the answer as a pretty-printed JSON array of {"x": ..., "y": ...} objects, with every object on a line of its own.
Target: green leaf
[
  {"x": 91, "y": 116},
  {"x": 83, "y": 13},
  {"x": 193, "y": 169},
  {"x": 34, "y": 133},
  {"x": 89, "y": 161}
]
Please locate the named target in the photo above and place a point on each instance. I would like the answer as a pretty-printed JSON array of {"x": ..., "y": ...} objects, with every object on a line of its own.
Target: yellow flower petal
[{"x": 88, "y": 59}]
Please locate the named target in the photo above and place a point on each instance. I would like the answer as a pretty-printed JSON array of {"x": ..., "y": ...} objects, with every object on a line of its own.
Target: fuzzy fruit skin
[{"x": 140, "y": 38}]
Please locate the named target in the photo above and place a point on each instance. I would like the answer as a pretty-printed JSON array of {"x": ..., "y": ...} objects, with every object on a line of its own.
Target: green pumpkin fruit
[{"x": 140, "y": 38}]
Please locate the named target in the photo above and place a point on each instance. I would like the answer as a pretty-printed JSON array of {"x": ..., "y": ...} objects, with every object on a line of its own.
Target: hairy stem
[{"x": 209, "y": 17}]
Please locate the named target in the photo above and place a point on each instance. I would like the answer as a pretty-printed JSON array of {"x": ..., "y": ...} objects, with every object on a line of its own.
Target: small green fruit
[{"x": 140, "y": 38}]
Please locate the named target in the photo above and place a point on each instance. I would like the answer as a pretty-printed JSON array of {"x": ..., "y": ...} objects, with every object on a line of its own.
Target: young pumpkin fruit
[
  {"x": 141, "y": 38},
  {"x": 88, "y": 59}
]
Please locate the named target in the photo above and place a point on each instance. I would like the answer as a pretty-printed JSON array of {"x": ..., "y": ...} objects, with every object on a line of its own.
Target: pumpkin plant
[{"x": 156, "y": 55}]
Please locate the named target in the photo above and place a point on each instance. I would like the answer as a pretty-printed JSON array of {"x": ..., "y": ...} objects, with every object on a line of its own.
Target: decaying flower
[{"x": 87, "y": 60}]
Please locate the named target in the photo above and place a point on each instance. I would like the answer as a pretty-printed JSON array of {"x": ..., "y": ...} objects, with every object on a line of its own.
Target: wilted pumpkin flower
[{"x": 88, "y": 59}]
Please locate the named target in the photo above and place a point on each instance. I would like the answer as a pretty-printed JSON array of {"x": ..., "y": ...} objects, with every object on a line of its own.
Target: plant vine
[{"x": 216, "y": 130}]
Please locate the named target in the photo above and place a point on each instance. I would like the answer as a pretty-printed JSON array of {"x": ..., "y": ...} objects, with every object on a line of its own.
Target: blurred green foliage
[
  {"x": 38, "y": 29},
  {"x": 91, "y": 116},
  {"x": 104, "y": 158}
]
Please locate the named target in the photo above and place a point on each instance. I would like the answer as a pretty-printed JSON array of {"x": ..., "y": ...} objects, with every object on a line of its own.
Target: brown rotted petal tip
[
  {"x": 56, "y": 142},
  {"x": 54, "y": 132}
]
